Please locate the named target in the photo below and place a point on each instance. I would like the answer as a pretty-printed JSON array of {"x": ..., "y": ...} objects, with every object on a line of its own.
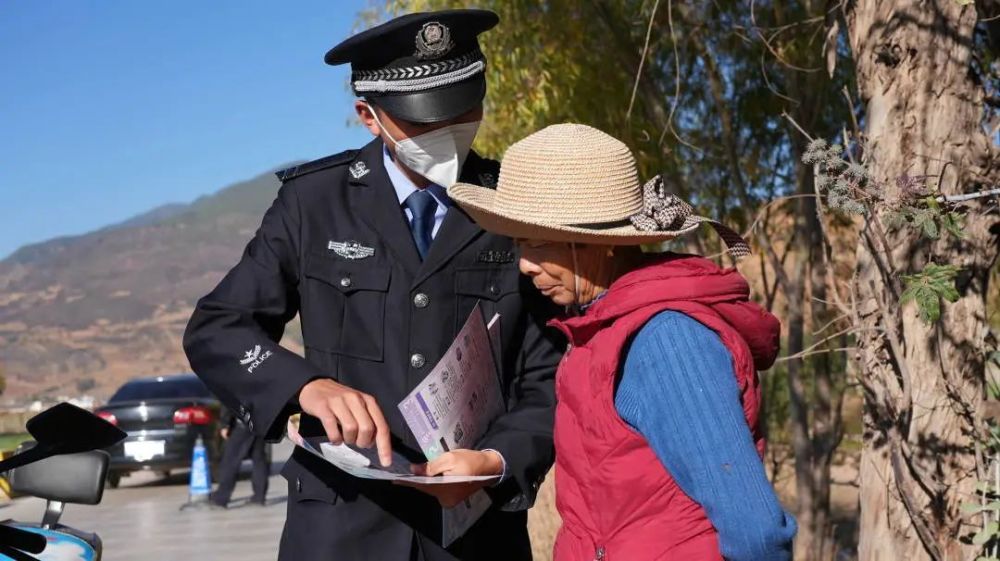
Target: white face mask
[{"x": 437, "y": 155}]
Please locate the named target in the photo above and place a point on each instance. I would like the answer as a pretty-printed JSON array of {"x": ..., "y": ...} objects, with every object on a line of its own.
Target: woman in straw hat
[{"x": 657, "y": 435}]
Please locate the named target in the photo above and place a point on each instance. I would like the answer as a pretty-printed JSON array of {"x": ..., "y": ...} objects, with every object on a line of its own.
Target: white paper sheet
[{"x": 450, "y": 409}]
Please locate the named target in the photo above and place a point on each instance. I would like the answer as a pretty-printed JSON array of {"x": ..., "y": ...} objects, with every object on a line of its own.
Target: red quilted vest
[{"x": 617, "y": 501}]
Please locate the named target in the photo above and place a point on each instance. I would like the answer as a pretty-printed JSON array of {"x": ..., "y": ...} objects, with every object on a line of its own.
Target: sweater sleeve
[{"x": 678, "y": 390}]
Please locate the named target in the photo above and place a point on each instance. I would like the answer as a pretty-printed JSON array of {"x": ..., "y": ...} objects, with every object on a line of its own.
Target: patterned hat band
[
  {"x": 420, "y": 77},
  {"x": 663, "y": 212}
]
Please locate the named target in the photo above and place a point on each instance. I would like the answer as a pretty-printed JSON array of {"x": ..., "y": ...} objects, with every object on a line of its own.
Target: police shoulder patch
[{"x": 316, "y": 165}]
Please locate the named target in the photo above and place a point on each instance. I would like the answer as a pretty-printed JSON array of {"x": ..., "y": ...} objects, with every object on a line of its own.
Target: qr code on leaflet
[{"x": 458, "y": 434}]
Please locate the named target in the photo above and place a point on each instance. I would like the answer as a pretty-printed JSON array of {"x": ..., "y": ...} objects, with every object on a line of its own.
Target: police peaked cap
[{"x": 424, "y": 67}]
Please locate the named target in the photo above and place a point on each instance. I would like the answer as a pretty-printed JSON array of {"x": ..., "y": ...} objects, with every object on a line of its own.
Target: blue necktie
[{"x": 423, "y": 206}]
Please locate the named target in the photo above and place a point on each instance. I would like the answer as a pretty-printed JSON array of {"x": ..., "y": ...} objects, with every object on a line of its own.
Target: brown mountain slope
[{"x": 94, "y": 310}]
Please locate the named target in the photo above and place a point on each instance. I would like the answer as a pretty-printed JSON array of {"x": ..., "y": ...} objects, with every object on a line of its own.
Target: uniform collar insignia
[
  {"x": 350, "y": 249},
  {"x": 433, "y": 41},
  {"x": 358, "y": 169}
]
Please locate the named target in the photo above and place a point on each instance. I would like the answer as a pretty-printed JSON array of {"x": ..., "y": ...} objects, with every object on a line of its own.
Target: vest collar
[{"x": 677, "y": 278}]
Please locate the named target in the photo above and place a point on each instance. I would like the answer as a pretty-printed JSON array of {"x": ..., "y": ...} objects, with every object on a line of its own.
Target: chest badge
[
  {"x": 351, "y": 249},
  {"x": 358, "y": 169},
  {"x": 495, "y": 256}
]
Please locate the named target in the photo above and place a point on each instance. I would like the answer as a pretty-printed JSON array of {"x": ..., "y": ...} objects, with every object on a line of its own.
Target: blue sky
[{"x": 112, "y": 107}]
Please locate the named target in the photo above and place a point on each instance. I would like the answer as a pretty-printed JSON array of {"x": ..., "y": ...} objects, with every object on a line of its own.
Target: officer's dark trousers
[{"x": 239, "y": 445}]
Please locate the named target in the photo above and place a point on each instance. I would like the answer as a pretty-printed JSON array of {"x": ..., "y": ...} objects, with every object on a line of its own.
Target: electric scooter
[{"x": 65, "y": 464}]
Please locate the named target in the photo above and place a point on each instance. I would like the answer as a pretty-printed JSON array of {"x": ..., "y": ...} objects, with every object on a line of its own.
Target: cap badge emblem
[
  {"x": 433, "y": 41},
  {"x": 358, "y": 169}
]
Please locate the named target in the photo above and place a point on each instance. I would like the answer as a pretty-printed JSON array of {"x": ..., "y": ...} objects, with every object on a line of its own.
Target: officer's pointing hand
[{"x": 348, "y": 416}]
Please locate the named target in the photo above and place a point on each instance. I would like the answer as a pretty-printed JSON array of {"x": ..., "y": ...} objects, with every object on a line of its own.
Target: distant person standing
[{"x": 240, "y": 443}]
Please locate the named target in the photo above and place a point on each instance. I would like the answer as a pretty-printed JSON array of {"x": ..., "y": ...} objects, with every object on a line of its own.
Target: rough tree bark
[{"x": 923, "y": 383}]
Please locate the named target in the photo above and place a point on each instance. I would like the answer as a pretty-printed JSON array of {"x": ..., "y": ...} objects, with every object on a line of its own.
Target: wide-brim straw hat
[{"x": 574, "y": 183}]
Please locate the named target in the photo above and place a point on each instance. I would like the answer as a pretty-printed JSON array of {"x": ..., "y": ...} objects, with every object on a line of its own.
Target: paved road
[{"x": 142, "y": 520}]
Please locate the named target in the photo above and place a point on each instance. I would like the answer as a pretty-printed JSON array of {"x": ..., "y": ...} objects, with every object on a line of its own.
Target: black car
[{"x": 163, "y": 416}]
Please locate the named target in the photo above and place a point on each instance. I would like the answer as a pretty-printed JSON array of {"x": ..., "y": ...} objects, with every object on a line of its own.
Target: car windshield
[{"x": 161, "y": 388}]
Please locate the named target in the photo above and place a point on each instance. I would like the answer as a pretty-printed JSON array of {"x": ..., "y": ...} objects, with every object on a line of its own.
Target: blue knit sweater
[{"x": 678, "y": 389}]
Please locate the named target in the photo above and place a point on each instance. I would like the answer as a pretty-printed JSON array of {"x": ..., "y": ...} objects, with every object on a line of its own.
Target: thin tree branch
[
  {"x": 753, "y": 225},
  {"x": 967, "y": 196},
  {"x": 796, "y": 125},
  {"x": 829, "y": 338},
  {"x": 804, "y": 354},
  {"x": 677, "y": 85},
  {"x": 642, "y": 61},
  {"x": 827, "y": 250},
  {"x": 778, "y": 57},
  {"x": 787, "y": 26},
  {"x": 829, "y": 323},
  {"x": 770, "y": 86},
  {"x": 904, "y": 487},
  {"x": 854, "y": 118}
]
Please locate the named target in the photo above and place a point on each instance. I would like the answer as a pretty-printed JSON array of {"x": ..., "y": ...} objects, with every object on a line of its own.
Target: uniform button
[
  {"x": 494, "y": 290},
  {"x": 298, "y": 485},
  {"x": 250, "y": 425},
  {"x": 417, "y": 360},
  {"x": 421, "y": 300},
  {"x": 345, "y": 282}
]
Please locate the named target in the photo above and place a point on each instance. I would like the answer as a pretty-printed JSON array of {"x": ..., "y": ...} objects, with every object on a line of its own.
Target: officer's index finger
[{"x": 383, "y": 438}]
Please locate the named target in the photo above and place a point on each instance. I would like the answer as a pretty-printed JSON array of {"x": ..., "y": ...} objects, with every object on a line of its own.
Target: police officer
[{"x": 383, "y": 270}]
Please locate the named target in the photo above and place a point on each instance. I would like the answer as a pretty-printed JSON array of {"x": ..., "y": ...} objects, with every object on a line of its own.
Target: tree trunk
[
  {"x": 827, "y": 395},
  {"x": 814, "y": 391},
  {"x": 923, "y": 383},
  {"x": 815, "y": 407}
]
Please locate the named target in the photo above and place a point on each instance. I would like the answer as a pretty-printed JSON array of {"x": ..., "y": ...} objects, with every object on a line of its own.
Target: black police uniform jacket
[{"x": 377, "y": 323}]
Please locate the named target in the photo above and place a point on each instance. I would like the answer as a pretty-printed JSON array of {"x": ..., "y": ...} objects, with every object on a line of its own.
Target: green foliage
[
  {"x": 928, "y": 287},
  {"x": 929, "y": 217},
  {"x": 993, "y": 386},
  {"x": 988, "y": 533},
  {"x": 851, "y": 189},
  {"x": 556, "y": 61},
  {"x": 12, "y": 441}
]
